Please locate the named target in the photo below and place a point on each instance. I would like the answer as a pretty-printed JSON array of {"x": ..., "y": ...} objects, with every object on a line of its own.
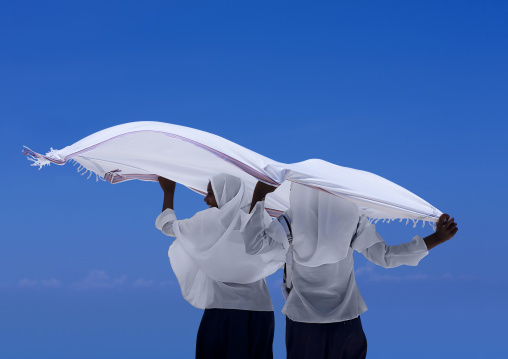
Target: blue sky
[{"x": 413, "y": 91}]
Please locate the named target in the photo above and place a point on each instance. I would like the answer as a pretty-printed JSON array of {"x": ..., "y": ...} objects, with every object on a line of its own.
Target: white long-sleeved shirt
[
  {"x": 202, "y": 291},
  {"x": 328, "y": 293}
]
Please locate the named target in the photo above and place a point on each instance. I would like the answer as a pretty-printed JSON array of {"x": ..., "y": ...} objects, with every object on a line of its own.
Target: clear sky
[{"x": 415, "y": 91}]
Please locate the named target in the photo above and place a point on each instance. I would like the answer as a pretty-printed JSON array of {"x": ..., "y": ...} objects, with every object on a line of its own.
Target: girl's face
[{"x": 210, "y": 197}]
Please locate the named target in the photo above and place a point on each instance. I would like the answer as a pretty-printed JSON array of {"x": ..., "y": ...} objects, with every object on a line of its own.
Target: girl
[{"x": 215, "y": 274}]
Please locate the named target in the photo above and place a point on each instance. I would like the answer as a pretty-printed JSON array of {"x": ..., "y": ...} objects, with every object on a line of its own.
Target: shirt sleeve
[
  {"x": 165, "y": 221},
  {"x": 261, "y": 237},
  {"x": 393, "y": 256},
  {"x": 372, "y": 246}
]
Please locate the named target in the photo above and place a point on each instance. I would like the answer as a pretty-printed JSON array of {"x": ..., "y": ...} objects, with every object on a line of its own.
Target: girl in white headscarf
[
  {"x": 215, "y": 273},
  {"x": 319, "y": 233}
]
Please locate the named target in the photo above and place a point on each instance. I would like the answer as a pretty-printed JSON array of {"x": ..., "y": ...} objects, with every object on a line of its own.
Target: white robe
[
  {"x": 208, "y": 255},
  {"x": 203, "y": 292},
  {"x": 326, "y": 232}
]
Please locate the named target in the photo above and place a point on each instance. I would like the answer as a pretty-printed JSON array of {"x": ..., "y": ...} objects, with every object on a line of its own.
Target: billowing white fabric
[
  {"x": 146, "y": 150},
  {"x": 212, "y": 237}
]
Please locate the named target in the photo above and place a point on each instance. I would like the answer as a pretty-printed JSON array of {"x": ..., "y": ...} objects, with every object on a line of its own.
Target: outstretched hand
[{"x": 445, "y": 230}]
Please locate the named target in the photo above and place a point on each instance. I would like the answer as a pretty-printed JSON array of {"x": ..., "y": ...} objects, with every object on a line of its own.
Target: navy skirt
[
  {"x": 235, "y": 334},
  {"x": 340, "y": 340}
]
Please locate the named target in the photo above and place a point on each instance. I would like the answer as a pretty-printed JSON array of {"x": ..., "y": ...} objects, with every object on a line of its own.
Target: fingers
[
  {"x": 450, "y": 224},
  {"x": 442, "y": 219},
  {"x": 449, "y": 229},
  {"x": 165, "y": 180},
  {"x": 450, "y": 232},
  {"x": 445, "y": 221},
  {"x": 166, "y": 184},
  {"x": 266, "y": 187},
  {"x": 446, "y": 227}
]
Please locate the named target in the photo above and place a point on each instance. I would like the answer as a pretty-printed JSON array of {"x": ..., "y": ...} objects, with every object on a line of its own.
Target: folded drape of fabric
[
  {"x": 146, "y": 150},
  {"x": 213, "y": 241}
]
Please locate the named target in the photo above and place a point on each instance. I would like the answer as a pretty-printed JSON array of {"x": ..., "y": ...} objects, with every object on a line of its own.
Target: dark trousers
[
  {"x": 235, "y": 334},
  {"x": 340, "y": 340}
]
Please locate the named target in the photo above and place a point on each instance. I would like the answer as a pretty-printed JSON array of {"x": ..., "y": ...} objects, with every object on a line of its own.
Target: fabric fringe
[
  {"x": 88, "y": 171},
  {"x": 415, "y": 221},
  {"x": 34, "y": 157},
  {"x": 41, "y": 161}
]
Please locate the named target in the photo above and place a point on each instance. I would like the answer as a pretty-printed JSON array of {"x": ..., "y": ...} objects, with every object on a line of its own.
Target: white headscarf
[
  {"x": 212, "y": 239},
  {"x": 322, "y": 226}
]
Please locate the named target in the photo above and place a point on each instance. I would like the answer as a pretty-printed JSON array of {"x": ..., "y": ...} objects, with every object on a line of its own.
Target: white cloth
[
  {"x": 208, "y": 255},
  {"x": 324, "y": 289},
  {"x": 328, "y": 293},
  {"x": 146, "y": 150},
  {"x": 199, "y": 289},
  {"x": 212, "y": 238}
]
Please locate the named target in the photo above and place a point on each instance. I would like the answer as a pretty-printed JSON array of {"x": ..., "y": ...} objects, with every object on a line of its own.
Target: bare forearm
[
  {"x": 432, "y": 241},
  {"x": 168, "y": 200},
  {"x": 168, "y": 187}
]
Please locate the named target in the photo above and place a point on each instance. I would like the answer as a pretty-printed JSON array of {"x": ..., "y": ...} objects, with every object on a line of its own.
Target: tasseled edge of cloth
[
  {"x": 52, "y": 157},
  {"x": 408, "y": 220}
]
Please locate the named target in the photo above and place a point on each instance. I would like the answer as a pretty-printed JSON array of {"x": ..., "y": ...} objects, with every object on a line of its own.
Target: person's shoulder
[{"x": 206, "y": 212}]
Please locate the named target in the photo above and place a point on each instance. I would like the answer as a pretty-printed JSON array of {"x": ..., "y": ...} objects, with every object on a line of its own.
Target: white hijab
[
  {"x": 212, "y": 239},
  {"x": 322, "y": 225}
]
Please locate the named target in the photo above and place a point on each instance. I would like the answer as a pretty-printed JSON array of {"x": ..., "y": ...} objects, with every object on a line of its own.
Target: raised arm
[
  {"x": 445, "y": 230},
  {"x": 260, "y": 192},
  {"x": 373, "y": 247},
  {"x": 168, "y": 187},
  {"x": 165, "y": 220}
]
